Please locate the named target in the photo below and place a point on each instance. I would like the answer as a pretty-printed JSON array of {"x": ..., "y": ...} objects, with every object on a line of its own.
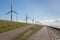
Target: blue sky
[{"x": 39, "y": 9}]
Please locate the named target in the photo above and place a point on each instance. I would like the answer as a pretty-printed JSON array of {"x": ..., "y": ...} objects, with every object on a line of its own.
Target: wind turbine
[
  {"x": 33, "y": 21},
  {"x": 27, "y": 19},
  {"x": 16, "y": 18},
  {"x": 11, "y": 11}
]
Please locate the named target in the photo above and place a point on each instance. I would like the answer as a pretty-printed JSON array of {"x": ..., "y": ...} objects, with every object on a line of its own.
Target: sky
[{"x": 44, "y": 11}]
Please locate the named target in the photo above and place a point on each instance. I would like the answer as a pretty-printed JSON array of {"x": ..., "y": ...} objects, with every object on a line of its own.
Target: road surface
[
  {"x": 44, "y": 34},
  {"x": 10, "y": 35},
  {"x": 55, "y": 34}
]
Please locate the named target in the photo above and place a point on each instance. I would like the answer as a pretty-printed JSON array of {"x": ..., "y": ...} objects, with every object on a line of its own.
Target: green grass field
[
  {"x": 8, "y": 25},
  {"x": 29, "y": 32}
]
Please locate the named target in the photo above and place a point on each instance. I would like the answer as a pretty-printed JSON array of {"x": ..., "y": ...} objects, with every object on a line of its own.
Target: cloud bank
[{"x": 51, "y": 22}]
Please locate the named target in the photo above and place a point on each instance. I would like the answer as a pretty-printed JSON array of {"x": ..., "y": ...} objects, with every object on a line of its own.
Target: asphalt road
[
  {"x": 45, "y": 34},
  {"x": 11, "y": 35},
  {"x": 54, "y": 34}
]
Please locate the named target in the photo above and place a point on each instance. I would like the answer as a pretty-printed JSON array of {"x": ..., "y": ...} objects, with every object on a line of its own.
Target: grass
[
  {"x": 29, "y": 32},
  {"x": 8, "y": 25}
]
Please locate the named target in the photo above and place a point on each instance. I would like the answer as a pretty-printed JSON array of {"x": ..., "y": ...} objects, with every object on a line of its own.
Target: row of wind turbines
[{"x": 12, "y": 11}]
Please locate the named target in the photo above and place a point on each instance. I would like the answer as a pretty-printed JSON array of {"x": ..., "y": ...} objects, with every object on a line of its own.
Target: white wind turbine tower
[
  {"x": 33, "y": 21},
  {"x": 26, "y": 18},
  {"x": 11, "y": 12}
]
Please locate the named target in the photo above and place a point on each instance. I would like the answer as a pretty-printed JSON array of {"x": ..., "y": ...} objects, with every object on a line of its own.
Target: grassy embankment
[
  {"x": 29, "y": 32},
  {"x": 8, "y": 25}
]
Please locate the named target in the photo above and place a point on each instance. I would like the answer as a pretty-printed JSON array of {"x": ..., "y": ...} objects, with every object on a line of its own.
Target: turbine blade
[
  {"x": 15, "y": 12},
  {"x": 8, "y": 12}
]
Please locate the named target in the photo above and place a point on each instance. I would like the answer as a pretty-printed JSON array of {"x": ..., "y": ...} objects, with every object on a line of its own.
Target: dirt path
[
  {"x": 10, "y": 35},
  {"x": 40, "y": 35}
]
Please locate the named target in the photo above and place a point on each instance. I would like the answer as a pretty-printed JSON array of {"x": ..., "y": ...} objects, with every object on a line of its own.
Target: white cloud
[{"x": 53, "y": 22}]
